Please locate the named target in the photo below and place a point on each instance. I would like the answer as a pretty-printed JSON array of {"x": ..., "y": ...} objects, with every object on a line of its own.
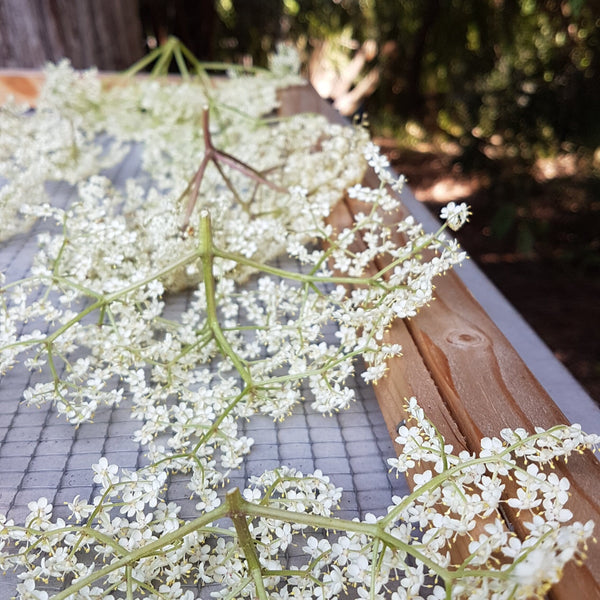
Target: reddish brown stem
[{"x": 218, "y": 156}]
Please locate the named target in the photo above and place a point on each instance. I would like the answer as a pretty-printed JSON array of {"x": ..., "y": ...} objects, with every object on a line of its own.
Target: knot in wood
[{"x": 466, "y": 338}]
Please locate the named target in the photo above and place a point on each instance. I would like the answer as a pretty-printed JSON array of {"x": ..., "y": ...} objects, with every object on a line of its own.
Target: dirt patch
[{"x": 536, "y": 235}]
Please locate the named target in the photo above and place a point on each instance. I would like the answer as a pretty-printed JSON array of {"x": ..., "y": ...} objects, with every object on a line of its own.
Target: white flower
[
  {"x": 317, "y": 548},
  {"x": 439, "y": 593},
  {"x": 456, "y": 215},
  {"x": 491, "y": 446},
  {"x": 536, "y": 568},
  {"x": 40, "y": 512},
  {"x": 105, "y": 473},
  {"x": 28, "y": 591},
  {"x": 80, "y": 509}
]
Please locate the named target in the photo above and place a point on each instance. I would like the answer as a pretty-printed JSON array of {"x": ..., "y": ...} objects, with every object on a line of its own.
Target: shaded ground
[{"x": 536, "y": 236}]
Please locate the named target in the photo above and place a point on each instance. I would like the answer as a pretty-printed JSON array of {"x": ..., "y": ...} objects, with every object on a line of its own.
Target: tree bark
[
  {"x": 415, "y": 68},
  {"x": 102, "y": 33}
]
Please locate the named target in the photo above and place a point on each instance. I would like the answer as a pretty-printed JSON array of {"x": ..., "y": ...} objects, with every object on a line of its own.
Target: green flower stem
[
  {"x": 184, "y": 260},
  {"x": 202, "y": 66},
  {"x": 187, "y": 53},
  {"x": 141, "y": 64},
  {"x": 19, "y": 282},
  {"x": 259, "y": 121},
  {"x": 83, "y": 531},
  {"x": 56, "y": 261},
  {"x": 438, "y": 480},
  {"x": 59, "y": 280},
  {"x": 271, "y": 489},
  {"x": 103, "y": 301},
  {"x": 144, "y": 586},
  {"x": 162, "y": 64},
  {"x": 246, "y": 541},
  {"x": 312, "y": 372},
  {"x": 106, "y": 300},
  {"x": 207, "y": 255},
  {"x": 150, "y": 549},
  {"x": 431, "y": 485},
  {"x": 204, "y": 339},
  {"x": 375, "y": 565},
  {"x": 300, "y": 277},
  {"x": 235, "y": 592},
  {"x": 237, "y": 508},
  {"x": 214, "y": 428},
  {"x": 374, "y": 530},
  {"x": 413, "y": 251},
  {"x": 185, "y": 74},
  {"x": 328, "y": 251},
  {"x": 510, "y": 568},
  {"x": 128, "y": 576}
]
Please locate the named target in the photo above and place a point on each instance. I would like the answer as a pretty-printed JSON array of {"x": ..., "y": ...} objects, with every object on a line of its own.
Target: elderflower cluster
[
  {"x": 220, "y": 195},
  {"x": 457, "y": 493},
  {"x": 409, "y": 552}
]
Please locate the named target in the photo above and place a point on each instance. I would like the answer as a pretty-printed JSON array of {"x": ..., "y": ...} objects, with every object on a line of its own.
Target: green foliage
[{"x": 524, "y": 69}]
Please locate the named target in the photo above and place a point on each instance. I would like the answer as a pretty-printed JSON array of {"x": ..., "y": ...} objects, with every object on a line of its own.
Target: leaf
[
  {"x": 503, "y": 220},
  {"x": 525, "y": 238}
]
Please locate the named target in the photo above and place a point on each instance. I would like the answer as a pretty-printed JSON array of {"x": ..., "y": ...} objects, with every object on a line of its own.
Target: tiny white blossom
[{"x": 456, "y": 215}]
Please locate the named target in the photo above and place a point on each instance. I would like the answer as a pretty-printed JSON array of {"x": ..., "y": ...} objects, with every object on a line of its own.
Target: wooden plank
[
  {"x": 487, "y": 387},
  {"x": 411, "y": 376},
  {"x": 23, "y": 85}
]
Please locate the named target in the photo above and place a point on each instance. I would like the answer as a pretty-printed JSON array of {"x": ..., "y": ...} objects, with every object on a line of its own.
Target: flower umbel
[{"x": 249, "y": 341}]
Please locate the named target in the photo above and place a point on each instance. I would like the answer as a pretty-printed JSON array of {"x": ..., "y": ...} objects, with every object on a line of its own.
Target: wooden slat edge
[
  {"x": 411, "y": 378},
  {"x": 407, "y": 374},
  {"x": 487, "y": 387},
  {"x": 23, "y": 85}
]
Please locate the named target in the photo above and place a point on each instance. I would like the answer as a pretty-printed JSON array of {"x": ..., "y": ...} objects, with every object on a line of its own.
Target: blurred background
[{"x": 492, "y": 102}]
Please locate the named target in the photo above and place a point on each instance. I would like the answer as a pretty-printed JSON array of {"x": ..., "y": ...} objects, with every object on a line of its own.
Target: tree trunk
[
  {"x": 415, "y": 68},
  {"x": 102, "y": 33}
]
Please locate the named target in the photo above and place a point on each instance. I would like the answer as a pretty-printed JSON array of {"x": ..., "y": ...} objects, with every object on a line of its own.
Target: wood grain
[
  {"x": 408, "y": 376},
  {"x": 106, "y": 34}
]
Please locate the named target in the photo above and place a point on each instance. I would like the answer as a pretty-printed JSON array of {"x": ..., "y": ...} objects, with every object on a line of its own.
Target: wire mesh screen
[{"x": 41, "y": 455}]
